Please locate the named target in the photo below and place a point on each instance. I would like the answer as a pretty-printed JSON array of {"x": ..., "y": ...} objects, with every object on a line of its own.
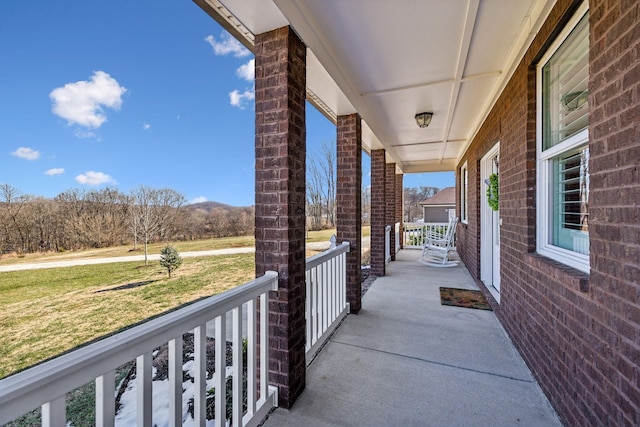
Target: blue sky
[{"x": 129, "y": 92}]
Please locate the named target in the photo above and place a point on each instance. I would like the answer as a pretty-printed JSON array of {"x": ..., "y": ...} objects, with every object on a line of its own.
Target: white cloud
[
  {"x": 247, "y": 71},
  {"x": 26, "y": 153},
  {"x": 84, "y": 134},
  {"x": 227, "y": 45},
  {"x": 200, "y": 199},
  {"x": 146, "y": 126},
  {"x": 54, "y": 171},
  {"x": 82, "y": 102},
  {"x": 240, "y": 100},
  {"x": 94, "y": 178}
]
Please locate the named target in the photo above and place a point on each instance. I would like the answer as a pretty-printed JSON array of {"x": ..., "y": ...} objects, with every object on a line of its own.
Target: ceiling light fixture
[{"x": 423, "y": 119}]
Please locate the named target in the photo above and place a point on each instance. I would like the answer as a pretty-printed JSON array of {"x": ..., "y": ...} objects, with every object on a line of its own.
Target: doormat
[{"x": 464, "y": 298}]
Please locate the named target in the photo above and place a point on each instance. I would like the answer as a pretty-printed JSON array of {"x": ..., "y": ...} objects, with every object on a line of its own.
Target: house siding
[
  {"x": 436, "y": 213},
  {"x": 579, "y": 333}
]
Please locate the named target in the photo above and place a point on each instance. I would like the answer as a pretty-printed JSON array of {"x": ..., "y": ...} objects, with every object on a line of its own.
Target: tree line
[{"x": 78, "y": 219}]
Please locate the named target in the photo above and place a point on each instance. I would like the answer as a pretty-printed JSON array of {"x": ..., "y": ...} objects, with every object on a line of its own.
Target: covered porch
[{"x": 405, "y": 359}]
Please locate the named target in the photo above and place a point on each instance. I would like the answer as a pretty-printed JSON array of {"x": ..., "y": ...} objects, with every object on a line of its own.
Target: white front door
[{"x": 489, "y": 225}]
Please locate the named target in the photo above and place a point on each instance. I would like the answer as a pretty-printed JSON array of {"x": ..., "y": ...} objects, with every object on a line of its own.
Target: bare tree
[
  {"x": 71, "y": 206},
  {"x": 366, "y": 205},
  {"x": 321, "y": 186},
  {"x": 328, "y": 165},
  {"x": 155, "y": 210},
  {"x": 315, "y": 182},
  {"x": 13, "y": 217},
  {"x": 44, "y": 218},
  {"x": 412, "y": 198},
  {"x": 104, "y": 219}
]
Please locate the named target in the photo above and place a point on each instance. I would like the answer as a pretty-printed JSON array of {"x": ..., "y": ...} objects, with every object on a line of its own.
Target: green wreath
[{"x": 493, "y": 195}]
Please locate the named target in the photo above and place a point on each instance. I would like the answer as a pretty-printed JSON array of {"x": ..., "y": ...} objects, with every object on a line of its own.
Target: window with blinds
[
  {"x": 563, "y": 146},
  {"x": 571, "y": 197},
  {"x": 565, "y": 79}
]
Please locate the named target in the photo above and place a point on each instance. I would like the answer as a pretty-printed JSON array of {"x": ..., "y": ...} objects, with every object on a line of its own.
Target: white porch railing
[
  {"x": 414, "y": 232},
  {"x": 47, "y": 384},
  {"x": 326, "y": 304},
  {"x": 387, "y": 244},
  {"x": 397, "y": 237}
]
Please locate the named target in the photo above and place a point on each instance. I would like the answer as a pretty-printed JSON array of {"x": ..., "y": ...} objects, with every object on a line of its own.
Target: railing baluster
[
  {"x": 251, "y": 357},
  {"x": 175, "y": 381},
  {"x": 325, "y": 297},
  {"x": 200, "y": 375},
  {"x": 236, "y": 381},
  {"x": 308, "y": 309},
  {"x": 321, "y": 299},
  {"x": 342, "y": 293},
  {"x": 264, "y": 346},
  {"x": 220, "y": 379},
  {"x": 331, "y": 283},
  {"x": 106, "y": 399},
  {"x": 144, "y": 375},
  {"x": 317, "y": 303},
  {"x": 54, "y": 413}
]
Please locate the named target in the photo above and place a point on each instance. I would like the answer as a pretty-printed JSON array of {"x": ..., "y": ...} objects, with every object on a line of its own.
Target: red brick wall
[
  {"x": 378, "y": 212},
  {"x": 579, "y": 333},
  {"x": 390, "y": 200},
  {"x": 280, "y": 200},
  {"x": 349, "y": 202}
]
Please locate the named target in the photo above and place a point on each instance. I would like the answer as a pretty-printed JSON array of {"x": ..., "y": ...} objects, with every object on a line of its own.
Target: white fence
[
  {"x": 397, "y": 237},
  {"x": 326, "y": 305},
  {"x": 47, "y": 384},
  {"x": 414, "y": 232}
]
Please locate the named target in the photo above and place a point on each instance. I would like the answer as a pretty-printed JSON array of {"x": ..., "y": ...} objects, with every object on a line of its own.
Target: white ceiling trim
[
  {"x": 437, "y": 141},
  {"x": 463, "y": 54},
  {"x": 432, "y": 83}
]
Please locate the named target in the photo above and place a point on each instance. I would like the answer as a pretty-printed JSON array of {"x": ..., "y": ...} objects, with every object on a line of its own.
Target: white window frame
[
  {"x": 545, "y": 165},
  {"x": 464, "y": 194}
]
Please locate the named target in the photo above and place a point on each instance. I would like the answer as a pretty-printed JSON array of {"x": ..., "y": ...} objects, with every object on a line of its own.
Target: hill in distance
[{"x": 210, "y": 206}]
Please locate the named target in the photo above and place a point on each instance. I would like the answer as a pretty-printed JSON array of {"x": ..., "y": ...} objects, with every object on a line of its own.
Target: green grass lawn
[{"x": 46, "y": 312}]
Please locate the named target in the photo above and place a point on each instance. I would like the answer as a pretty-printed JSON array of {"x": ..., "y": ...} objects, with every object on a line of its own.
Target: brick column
[
  {"x": 280, "y": 59},
  {"x": 349, "y": 202},
  {"x": 390, "y": 203},
  {"x": 378, "y": 212},
  {"x": 400, "y": 204}
]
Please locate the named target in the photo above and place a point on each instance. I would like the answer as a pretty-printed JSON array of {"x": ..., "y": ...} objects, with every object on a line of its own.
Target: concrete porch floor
[{"x": 407, "y": 360}]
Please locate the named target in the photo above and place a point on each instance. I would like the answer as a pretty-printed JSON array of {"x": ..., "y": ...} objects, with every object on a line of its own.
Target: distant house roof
[{"x": 444, "y": 197}]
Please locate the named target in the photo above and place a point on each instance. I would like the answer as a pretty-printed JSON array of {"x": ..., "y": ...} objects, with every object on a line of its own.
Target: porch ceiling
[{"x": 388, "y": 61}]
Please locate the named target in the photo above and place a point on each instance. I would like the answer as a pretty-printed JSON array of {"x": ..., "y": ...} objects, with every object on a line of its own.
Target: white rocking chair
[{"x": 436, "y": 248}]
